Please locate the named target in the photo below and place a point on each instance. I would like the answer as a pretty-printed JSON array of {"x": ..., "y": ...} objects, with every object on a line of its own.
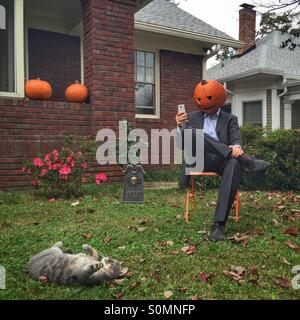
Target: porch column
[
  {"x": 109, "y": 60},
  {"x": 287, "y": 116}
]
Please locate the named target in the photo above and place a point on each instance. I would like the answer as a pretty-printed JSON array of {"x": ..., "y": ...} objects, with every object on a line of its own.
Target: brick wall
[{"x": 54, "y": 57}]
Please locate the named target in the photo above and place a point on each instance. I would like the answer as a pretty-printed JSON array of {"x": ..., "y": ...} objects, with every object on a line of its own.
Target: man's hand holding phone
[{"x": 181, "y": 117}]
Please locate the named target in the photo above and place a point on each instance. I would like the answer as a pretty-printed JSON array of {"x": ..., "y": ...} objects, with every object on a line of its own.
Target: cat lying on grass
[{"x": 83, "y": 269}]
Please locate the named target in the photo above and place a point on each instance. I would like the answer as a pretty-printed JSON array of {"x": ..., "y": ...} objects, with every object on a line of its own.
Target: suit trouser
[{"x": 217, "y": 158}]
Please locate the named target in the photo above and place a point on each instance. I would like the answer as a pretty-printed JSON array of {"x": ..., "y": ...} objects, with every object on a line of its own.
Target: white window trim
[
  {"x": 19, "y": 52},
  {"x": 157, "y": 86}
]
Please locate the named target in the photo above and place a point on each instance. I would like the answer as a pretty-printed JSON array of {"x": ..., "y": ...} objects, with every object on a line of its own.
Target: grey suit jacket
[{"x": 227, "y": 128}]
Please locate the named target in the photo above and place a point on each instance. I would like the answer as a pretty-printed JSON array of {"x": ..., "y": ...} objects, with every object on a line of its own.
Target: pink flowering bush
[{"x": 62, "y": 173}]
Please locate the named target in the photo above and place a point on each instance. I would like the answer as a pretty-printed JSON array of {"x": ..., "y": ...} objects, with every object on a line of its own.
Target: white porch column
[
  {"x": 275, "y": 110},
  {"x": 287, "y": 116}
]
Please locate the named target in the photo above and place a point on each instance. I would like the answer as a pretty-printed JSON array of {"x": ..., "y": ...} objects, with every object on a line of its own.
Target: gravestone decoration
[{"x": 133, "y": 184}]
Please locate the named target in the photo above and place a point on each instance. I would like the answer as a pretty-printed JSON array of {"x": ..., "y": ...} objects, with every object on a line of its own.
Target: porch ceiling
[{"x": 67, "y": 11}]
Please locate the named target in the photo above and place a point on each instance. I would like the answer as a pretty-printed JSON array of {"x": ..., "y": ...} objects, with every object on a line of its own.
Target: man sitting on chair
[{"x": 223, "y": 153}]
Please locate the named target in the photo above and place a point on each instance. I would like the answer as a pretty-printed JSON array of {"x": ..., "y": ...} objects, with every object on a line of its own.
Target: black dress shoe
[
  {"x": 218, "y": 232},
  {"x": 255, "y": 165}
]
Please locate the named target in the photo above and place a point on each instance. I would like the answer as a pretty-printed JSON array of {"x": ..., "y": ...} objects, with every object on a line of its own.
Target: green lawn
[{"x": 149, "y": 239}]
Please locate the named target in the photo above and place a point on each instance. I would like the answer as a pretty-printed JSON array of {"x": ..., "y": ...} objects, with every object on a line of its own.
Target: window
[
  {"x": 11, "y": 48},
  {"x": 227, "y": 108},
  {"x": 252, "y": 113},
  {"x": 145, "y": 89}
]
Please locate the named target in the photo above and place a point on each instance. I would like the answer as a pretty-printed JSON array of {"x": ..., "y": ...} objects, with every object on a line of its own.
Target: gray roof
[
  {"x": 267, "y": 57},
  {"x": 163, "y": 13}
]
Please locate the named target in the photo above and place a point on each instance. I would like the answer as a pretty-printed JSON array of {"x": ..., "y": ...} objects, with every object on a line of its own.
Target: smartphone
[{"x": 181, "y": 108}]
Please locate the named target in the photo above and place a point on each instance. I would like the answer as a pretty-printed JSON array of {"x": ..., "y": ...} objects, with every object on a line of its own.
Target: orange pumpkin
[
  {"x": 37, "y": 89},
  {"x": 210, "y": 95},
  {"x": 77, "y": 92}
]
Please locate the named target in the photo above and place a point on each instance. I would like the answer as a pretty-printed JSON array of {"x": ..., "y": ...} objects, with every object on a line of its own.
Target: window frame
[
  {"x": 19, "y": 68},
  {"x": 156, "y": 83},
  {"x": 262, "y": 112}
]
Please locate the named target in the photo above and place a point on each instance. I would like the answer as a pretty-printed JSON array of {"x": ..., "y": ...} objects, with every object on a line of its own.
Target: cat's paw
[
  {"x": 58, "y": 244},
  {"x": 87, "y": 248},
  {"x": 96, "y": 266}
]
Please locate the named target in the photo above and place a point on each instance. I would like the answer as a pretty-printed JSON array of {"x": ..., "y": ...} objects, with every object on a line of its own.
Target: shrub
[
  {"x": 279, "y": 147},
  {"x": 63, "y": 173}
]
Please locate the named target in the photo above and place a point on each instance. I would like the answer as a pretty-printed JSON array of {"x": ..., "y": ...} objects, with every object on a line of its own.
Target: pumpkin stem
[{"x": 203, "y": 82}]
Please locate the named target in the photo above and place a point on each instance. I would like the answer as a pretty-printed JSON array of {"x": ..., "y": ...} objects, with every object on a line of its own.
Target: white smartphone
[{"x": 181, "y": 108}]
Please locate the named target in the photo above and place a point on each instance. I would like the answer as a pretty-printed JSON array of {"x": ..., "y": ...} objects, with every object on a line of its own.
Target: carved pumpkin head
[{"x": 209, "y": 96}]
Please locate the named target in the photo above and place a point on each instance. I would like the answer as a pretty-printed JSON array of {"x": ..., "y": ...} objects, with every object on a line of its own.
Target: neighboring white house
[{"x": 263, "y": 83}]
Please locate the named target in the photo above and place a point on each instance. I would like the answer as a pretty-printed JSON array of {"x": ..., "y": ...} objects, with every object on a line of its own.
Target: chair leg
[
  {"x": 237, "y": 205},
  {"x": 187, "y": 204},
  {"x": 194, "y": 193}
]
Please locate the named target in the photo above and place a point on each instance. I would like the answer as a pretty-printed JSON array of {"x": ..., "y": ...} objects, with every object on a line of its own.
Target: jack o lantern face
[{"x": 209, "y": 96}]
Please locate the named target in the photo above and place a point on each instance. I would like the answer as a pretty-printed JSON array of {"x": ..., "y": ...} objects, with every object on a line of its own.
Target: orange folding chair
[{"x": 191, "y": 193}]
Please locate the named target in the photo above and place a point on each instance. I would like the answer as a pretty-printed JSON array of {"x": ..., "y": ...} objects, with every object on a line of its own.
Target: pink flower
[
  {"x": 69, "y": 159},
  {"x": 38, "y": 162},
  {"x": 35, "y": 183},
  {"x": 65, "y": 170},
  {"x": 84, "y": 165},
  {"x": 44, "y": 172},
  {"x": 100, "y": 177},
  {"x": 55, "y": 154},
  {"x": 48, "y": 156},
  {"x": 79, "y": 154}
]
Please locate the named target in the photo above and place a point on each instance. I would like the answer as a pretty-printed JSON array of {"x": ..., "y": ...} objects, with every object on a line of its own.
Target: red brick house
[{"x": 138, "y": 58}]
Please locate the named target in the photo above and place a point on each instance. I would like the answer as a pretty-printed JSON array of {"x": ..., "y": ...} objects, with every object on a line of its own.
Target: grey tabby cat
[{"x": 83, "y": 269}]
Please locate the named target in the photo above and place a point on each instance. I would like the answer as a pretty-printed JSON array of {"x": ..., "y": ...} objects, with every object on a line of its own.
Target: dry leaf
[
  {"x": 292, "y": 231},
  {"x": 206, "y": 278},
  {"x": 175, "y": 252},
  {"x": 141, "y": 229},
  {"x": 52, "y": 200},
  {"x": 283, "y": 282},
  {"x": 119, "y": 295},
  {"x": 166, "y": 243},
  {"x": 107, "y": 240},
  {"x": 187, "y": 239},
  {"x": 168, "y": 294},
  {"x": 87, "y": 235},
  {"x": 43, "y": 279},
  {"x": 129, "y": 274},
  {"x": 286, "y": 262},
  {"x": 136, "y": 284},
  {"x": 292, "y": 246},
  {"x": 75, "y": 204},
  {"x": 143, "y": 221},
  {"x": 178, "y": 216}
]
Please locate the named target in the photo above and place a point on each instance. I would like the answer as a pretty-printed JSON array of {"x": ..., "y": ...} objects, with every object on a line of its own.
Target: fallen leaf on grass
[
  {"x": 178, "y": 216},
  {"x": 183, "y": 290},
  {"x": 119, "y": 295},
  {"x": 75, "y": 204},
  {"x": 206, "y": 278},
  {"x": 283, "y": 282},
  {"x": 286, "y": 262},
  {"x": 186, "y": 240},
  {"x": 86, "y": 235},
  {"x": 141, "y": 229},
  {"x": 195, "y": 298},
  {"x": 52, "y": 200},
  {"x": 129, "y": 274},
  {"x": 292, "y": 246},
  {"x": 276, "y": 223},
  {"x": 43, "y": 279},
  {"x": 107, "y": 240},
  {"x": 236, "y": 273},
  {"x": 175, "y": 252},
  {"x": 241, "y": 238},
  {"x": 118, "y": 282},
  {"x": 168, "y": 294},
  {"x": 190, "y": 250},
  {"x": 143, "y": 221},
  {"x": 136, "y": 284},
  {"x": 166, "y": 243},
  {"x": 291, "y": 231}
]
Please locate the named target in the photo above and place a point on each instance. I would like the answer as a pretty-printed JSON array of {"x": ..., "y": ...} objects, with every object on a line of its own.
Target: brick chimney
[{"x": 247, "y": 26}]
